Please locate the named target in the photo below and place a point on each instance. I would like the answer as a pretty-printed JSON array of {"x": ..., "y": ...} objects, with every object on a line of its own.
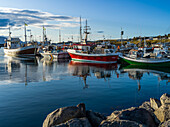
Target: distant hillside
[{"x": 2, "y": 38}]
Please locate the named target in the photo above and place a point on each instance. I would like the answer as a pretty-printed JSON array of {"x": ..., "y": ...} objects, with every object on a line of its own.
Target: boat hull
[
  {"x": 22, "y": 51},
  {"x": 94, "y": 58},
  {"x": 145, "y": 62},
  {"x": 63, "y": 55}
]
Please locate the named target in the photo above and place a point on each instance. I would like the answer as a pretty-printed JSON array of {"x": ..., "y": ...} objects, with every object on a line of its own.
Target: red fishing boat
[
  {"x": 107, "y": 57},
  {"x": 84, "y": 52}
]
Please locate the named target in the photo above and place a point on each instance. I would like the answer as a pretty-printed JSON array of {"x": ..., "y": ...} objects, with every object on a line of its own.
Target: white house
[{"x": 155, "y": 38}]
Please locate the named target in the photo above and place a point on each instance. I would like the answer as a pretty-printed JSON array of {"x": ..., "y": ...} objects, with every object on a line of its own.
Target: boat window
[
  {"x": 111, "y": 51},
  {"x": 107, "y": 51},
  {"x": 162, "y": 53},
  {"x": 134, "y": 53}
]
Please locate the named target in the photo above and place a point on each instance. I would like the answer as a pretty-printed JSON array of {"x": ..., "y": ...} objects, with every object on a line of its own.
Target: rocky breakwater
[{"x": 153, "y": 113}]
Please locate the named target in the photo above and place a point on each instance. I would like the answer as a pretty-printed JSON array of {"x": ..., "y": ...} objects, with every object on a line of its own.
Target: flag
[
  {"x": 44, "y": 28},
  {"x": 26, "y": 24}
]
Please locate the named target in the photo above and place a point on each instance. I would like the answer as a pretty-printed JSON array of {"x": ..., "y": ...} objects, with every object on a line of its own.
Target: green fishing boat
[{"x": 135, "y": 59}]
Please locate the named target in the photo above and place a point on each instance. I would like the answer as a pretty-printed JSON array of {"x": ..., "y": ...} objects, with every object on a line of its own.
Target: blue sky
[{"x": 136, "y": 17}]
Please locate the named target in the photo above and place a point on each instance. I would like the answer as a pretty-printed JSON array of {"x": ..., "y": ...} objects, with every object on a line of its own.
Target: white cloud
[{"x": 16, "y": 18}]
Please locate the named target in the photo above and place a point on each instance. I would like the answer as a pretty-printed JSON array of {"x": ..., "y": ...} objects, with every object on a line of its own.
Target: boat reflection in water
[
  {"x": 85, "y": 69},
  {"x": 54, "y": 69},
  {"x": 25, "y": 70},
  {"x": 15, "y": 69},
  {"x": 136, "y": 72}
]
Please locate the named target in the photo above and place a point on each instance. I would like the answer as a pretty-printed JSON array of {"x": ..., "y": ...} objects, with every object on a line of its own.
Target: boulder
[
  {"x": 113, "y": 116},
  {"x": 165, "y": 124},
  {"x": 165, "y": 99},
  {"x": 76, "y": 122},
  {"x": 163, "y": 113},
  {"x": 155, "y": 103},
  {"x": 62, "y": 115},
  {"x": 95, "y": 118},
  {"x": 121, "y": 123},
  {"x": 147, "y": 105},
  {"x": 138, "y": 115}
]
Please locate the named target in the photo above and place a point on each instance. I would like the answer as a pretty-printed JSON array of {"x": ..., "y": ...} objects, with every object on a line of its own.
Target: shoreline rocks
[{"x": 153, "y": 113}]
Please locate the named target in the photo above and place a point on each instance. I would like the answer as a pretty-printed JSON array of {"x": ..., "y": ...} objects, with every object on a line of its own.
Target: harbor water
[{"x": 31, "y": 88}]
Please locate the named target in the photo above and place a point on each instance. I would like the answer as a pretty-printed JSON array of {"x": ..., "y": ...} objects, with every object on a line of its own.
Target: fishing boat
[
  {"x": 96, "y": 58},
  {"x": 12, "y": 50},
  {"x": 15, "y": 48},
  {"x": 83, "y": 52},
  {"x": 56, "y": 55},
  {"x": 53, "y": 53},
  {"x": 135, "y": 58}
]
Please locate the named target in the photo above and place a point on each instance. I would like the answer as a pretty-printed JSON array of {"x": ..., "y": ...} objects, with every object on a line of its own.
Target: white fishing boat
[
  {"x": 53, "y": 53},
  {"x": 15, "y": 48}
]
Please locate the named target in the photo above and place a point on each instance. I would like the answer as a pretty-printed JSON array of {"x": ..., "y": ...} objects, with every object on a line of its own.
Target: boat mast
[
  {"x": 43, "y": 34},
  {"x": 9, "y": 32},
  {"x": 80, "y": 31},
  {"x": 72, "y": 38},
  {"x": 59, "y": 36},
  {"x": 86, "y": 28},
  {"x": 144, "y": 46},
  {"x": 30, "y": 36},
  {"x": 140, "y": 41},
  {"x": 121, "y": 37},
  {"x": 25, "y": 34},
  {"x": 9, "y": 38}
]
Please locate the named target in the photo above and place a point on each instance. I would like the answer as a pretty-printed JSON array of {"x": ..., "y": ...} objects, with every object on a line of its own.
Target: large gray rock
[
  {"x": 95, "y": 118},
  {"x": 147, "y": 105},
  {"x": 76, "y": 122},
  {"x": 138, "y": 115},
  {"x": 163, "y": 113},
  {"x": 165, "y": 124},
  {"x": 155, "y": 103},
  {"x": 165, "y": 99},
  {"x": 62, "y": 115},
  {"x": 121, "y": 123}
]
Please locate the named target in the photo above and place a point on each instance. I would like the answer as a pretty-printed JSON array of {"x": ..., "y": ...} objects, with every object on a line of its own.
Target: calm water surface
[{"x": 32, "y": 88}]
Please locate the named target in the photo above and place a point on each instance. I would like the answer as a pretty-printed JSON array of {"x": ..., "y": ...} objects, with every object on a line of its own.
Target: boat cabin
[
  {"x": 81, "y": 47},
  {"x": 135, "y": 53},
  {"x": 13, "y": 43}
]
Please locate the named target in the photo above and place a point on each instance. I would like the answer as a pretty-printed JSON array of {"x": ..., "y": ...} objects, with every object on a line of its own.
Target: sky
[{"x": 105, "y": 18}]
